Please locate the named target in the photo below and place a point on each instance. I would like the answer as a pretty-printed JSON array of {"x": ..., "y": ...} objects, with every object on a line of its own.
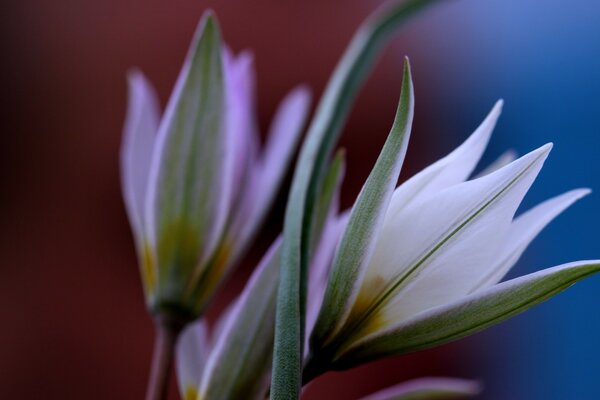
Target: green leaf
[
  {"x": 358, "y": 241},
  {"x": 328, "y": 193},
  {"x": 470, "y": 315},
  {"x": 322, "y": 135}
]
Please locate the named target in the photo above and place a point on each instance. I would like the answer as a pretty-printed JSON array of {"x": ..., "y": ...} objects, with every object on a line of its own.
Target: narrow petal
[
  {"x": 434, "y": 261},
  {"x": 282, "y": 141},
  {"x": 239, "y": 364},
  {"x": 187, "y": 193},
  {"x": 450, "y": 170},
  {"x": 468, "y": 315},
  {"x": 191, "y": 354},
  {"x": 139, "y": 133},
  {"x": 266, "y": 173},
  {"x": 505, "y": 158},
  {"x": 223, "y": 321},
  {"x": 429, "y": 388},
  {"x": 241, "y": 125},
  {"x": 358, "y": 241},
  {"x": 524, "y": 229}
]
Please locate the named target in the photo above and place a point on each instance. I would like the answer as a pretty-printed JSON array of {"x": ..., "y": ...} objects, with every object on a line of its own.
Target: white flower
[{"x": 434, "y": 251}]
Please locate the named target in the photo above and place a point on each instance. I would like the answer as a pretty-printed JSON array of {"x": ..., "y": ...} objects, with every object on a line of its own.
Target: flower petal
[
  {"x": 358, "y": 241},
  {"x": 524, "y": 229},
  {"x": 191, "y": 354},
  {"x": 505, "y": 158},
  {"x": 241, "y": 125},
  {"x": 450, "y": 170},
  {"x": 322, "y": 135},
  {"x": 433, "y": 262},
  {"x": 265, "y": 173},
  {"x": 282, "y": 141},
  {"x": 239, "y": 363},
  {"x": 139, "y": 133},
  {"x": 470, "y": 314},
  {"x": 273, "y": 163},
  {"x": 187, "y": 193},
  {"x": 429, "y": 388}
]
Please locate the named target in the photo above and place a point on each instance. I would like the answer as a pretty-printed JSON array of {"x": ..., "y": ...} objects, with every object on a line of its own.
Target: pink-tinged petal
[
  {"x": 223, "y": 321},
  {"x": 282, "y": 140},
  {"x": 281, "y": 144},
  {"x": 241, "y": 125},
  {"x": 191, "y": 355},
  {"x": 429, "y": 388},
  {"x": 139, "y": 133},
  {"x": 524, "y": 229},
  {"x": 240, "y": 361}
]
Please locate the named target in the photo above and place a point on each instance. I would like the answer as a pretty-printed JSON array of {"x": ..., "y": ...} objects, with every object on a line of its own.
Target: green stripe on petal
[
  {"x": 469, "y": 315},
  {"x": 435, "y": 252},
  {"x": 186, "y": 209}
]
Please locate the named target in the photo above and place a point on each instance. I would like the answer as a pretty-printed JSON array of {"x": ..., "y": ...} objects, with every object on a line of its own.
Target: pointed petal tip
[
  {"x": 209, "y": 15},
  {"x": 570, "y": 197},
  {"x": 580, "y": 193},
  {"x": 246, "y": 55},
  {"x": 134, "y": 73},
  {"x": 340, "y": 158},
  {"x": 407, "y": 69},
  {"x": 540, "y": 151},
  {"x": 211, "y": 21},
  {"x": 511, "y": 153},
  {"x": 547, "y": 147},
  {"x": 497, "y": 109},
  {"x": 303, "y": 92},
  {"x": 341, "y": 154},
  {"x": 299, "y": 98},
  {"x": 136, "y": 78},
  {"x": 208, "y": 23}
]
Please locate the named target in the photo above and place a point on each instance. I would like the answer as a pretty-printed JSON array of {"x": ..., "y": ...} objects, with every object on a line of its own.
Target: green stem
[{"x": 167, "y": 332}]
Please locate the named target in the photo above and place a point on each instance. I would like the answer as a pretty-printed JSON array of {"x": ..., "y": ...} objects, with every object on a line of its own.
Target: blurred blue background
[{"x": 543, "y": 58}]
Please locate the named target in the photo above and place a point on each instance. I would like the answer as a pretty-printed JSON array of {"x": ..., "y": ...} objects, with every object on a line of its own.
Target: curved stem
[{"x": 167, "y": 332}]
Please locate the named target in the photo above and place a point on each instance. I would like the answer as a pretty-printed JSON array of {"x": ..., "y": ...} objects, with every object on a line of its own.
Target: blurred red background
[{"x": 73, "y": 319}]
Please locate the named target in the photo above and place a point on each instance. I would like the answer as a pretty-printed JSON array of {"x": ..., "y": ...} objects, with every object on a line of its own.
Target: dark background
[{"x": 73, "y": 323}]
